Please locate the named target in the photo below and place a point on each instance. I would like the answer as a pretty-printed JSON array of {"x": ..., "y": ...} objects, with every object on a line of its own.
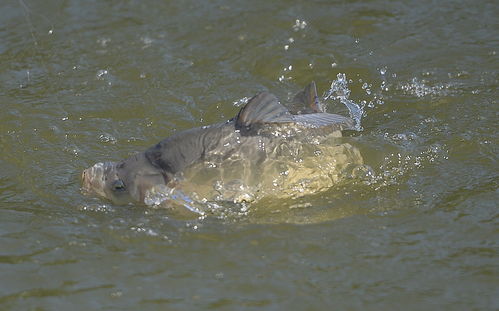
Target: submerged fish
[{"x": 266, "y": 149}]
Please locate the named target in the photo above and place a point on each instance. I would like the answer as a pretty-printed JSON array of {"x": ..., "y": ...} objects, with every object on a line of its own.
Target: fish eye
[{"x": 118, "y": 185}]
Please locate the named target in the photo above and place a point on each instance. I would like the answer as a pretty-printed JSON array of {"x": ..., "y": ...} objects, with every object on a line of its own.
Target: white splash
[{"x": 339, "y": 91}]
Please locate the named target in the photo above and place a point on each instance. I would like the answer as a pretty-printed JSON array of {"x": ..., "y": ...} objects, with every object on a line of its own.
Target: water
[{"x": 96, "y": 81}]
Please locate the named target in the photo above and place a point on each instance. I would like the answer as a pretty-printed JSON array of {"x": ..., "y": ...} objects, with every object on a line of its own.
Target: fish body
[{"x": 264, "y": 150}]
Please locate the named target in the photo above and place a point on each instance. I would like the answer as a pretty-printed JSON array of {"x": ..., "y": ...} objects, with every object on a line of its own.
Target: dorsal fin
[
  {"x": 263, "y": 108},
  {"x": 309, "y": 100}
]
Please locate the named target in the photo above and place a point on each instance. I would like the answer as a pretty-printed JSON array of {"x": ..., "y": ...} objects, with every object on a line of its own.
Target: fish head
[
  {"x": 121, "y": 182},
  {"x": 102, "y": 179}
]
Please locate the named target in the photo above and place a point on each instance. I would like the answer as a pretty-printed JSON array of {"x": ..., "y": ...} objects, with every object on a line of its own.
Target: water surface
[{"x": 83, "y": 82}]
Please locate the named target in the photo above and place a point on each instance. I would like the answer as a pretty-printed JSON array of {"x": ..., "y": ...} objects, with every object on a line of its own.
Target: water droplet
[
  {"x": 219, "y": 275},
  {"x": 101, "y": 73},
  {"x": 299, "y": 25},
  {"x": 147, "y": 42},
  {"x": 241, "y": 102},
  {"x": 107, "y": 138},
  {"x": 103, "y": 41}
]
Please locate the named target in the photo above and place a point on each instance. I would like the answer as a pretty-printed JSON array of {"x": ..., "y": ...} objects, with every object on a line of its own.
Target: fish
[{"x": 259, "y": 151}]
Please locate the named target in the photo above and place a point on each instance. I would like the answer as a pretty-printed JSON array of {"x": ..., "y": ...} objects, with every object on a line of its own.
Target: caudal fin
[{"x": 308, "y": 100}]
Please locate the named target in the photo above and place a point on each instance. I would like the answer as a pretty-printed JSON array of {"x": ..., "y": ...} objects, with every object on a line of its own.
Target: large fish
[{"x": 264, "y": 150}]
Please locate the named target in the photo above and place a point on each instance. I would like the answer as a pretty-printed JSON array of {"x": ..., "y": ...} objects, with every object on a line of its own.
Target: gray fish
[{"x": 256, "y": 134}]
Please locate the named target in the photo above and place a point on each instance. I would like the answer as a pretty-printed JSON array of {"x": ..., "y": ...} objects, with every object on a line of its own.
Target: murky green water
[{"x": 82, "y": 82}]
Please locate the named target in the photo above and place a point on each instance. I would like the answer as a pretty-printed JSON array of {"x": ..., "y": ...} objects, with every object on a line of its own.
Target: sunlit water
[{"x": 414, "y": 224}]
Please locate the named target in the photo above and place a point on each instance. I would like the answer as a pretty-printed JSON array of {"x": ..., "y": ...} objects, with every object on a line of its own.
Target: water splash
[
  {"x": 339, "y": 91},
  {"x": 241, "y": 102},
  {"x": 420, "y": 88},
  {"x": 399, "y": 166},
  {"x": 160, "y": 194}
]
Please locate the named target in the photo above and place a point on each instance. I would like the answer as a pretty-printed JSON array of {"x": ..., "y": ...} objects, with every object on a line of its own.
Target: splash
[
  {"x": 420, "y": 88},
  {"x": 162, "y": 195},
  {"x": 339, "y": 91},
  {"x": 241, "y": 102},
  {"x": 399, "y": 166}
]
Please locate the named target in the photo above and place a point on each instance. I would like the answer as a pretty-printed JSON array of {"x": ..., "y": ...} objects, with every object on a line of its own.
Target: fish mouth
[{"x": 93, "y": 178}]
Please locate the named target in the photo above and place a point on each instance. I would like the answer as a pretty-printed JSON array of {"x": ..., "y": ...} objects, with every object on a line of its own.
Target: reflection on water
[{"x": 413, "y": 223}]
